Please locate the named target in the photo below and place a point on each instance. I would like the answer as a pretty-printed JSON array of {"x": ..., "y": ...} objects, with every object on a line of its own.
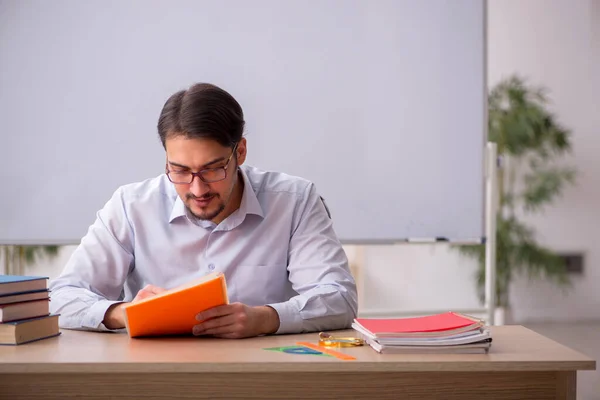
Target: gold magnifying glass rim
[{"x": 328, "y": 340}]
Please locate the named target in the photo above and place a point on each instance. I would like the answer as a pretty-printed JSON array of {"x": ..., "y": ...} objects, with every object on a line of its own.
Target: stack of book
[
  {"x": 438, "y": 334},
  {"x": 25, "y": 310}
]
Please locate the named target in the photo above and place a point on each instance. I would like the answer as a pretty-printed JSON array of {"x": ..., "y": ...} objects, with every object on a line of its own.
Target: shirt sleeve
[
  {"x": 319, "y": 273},
  {"x": 94, "y": 276}
]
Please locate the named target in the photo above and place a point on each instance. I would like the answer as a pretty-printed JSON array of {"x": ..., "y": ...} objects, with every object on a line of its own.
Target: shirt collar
[
  {"x": 248, "y": 205},
  {"x": 178, "y": 209}
]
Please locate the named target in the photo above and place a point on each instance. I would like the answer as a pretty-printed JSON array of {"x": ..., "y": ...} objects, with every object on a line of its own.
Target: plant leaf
[{"x": 544, "y": 185}]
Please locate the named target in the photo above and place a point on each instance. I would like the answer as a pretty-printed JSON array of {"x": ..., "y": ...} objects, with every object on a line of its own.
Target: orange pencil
[{"x": 322, "y": 349}]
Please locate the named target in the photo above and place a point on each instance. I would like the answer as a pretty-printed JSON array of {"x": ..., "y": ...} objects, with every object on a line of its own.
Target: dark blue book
[
  {"x": 15, "y": 284},
  {"x": 29, "y": 330},
  {"x": 21, "y": 297},
  {"x": 24, "y": 310}
]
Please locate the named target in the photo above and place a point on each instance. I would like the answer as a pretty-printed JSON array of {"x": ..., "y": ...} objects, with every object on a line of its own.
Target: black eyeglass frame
[{"x": 200, "y": 173}]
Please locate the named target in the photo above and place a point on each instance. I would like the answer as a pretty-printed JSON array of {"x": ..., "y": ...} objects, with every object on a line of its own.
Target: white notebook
[{"x": 473, "y": 348}]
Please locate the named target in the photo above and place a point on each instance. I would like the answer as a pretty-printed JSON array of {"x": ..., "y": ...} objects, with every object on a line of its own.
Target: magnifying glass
[{"x": 328, "y": 340}]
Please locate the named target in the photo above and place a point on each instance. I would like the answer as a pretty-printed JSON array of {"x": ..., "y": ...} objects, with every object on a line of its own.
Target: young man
[{"x": 269, "y": 233}]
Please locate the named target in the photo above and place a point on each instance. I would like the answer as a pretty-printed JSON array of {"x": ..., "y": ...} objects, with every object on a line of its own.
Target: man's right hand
[
  {"x": 148, "y": 291},
  {"x": 114, "y": 317}
]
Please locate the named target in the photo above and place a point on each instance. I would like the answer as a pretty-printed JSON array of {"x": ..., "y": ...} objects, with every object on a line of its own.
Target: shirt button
[{"x": 211, "y": 266}]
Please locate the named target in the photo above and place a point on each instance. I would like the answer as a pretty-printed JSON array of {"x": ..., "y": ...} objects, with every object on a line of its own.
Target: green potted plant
[
  {"x": 530, "y": 142},
  {"x": 16, "y": 257}
]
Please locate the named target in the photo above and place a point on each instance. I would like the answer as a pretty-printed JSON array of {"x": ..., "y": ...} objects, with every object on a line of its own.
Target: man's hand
[
  {"x": 237, "y": 320},
  {"x": 148, "y": 291},
  {"x": 114, "y": 318}
]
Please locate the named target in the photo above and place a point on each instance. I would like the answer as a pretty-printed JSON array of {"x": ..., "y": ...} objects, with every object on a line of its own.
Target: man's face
[{"x": 207, "y": 201}]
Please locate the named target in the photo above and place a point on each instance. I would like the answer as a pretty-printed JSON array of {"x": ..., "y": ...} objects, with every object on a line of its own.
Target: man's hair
[{"x": 203, "y": 111}]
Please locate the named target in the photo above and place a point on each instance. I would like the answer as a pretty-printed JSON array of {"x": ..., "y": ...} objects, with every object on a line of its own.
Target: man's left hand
[{"x": 237, "y": 320}]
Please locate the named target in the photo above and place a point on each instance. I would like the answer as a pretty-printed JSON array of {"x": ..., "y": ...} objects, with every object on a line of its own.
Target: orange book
[{"x": 174, "y": 311}]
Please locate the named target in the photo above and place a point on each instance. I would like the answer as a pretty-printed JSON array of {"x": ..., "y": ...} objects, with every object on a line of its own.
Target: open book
[{"x": 174, "y": 311}]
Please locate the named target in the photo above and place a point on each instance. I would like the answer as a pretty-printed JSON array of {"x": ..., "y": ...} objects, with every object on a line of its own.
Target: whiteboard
[{"x": 380, "y": 103}]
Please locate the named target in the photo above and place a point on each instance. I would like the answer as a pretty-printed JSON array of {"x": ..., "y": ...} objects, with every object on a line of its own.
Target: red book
[{"x": 445, "y": 324}]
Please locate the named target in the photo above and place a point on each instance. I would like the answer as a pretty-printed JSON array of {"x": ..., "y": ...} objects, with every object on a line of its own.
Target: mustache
[{"x": 205, "y": 196}]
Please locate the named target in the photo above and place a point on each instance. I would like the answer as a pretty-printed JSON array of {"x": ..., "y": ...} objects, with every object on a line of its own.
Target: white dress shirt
[{"x": 278, "y": 248}]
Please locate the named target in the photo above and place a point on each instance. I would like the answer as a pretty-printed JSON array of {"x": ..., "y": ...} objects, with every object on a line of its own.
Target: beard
[
  {"x": 210, "y": 212},
  {"x": 216, "y": 206}
]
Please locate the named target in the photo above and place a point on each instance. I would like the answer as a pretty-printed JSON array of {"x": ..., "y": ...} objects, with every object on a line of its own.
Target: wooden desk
[{"x": 521, "y": 365}]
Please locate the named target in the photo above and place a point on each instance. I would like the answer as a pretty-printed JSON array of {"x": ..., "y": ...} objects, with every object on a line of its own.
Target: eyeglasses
[{"x": 208, "y": 175}]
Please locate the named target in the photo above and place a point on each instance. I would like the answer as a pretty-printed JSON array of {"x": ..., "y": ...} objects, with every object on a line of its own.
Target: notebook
[
  {"x": 480, "y": 347},
  {"x": 29, "y": 330},
  {"x": 174, "y": 311},
  {"x": 475, "y": 335},
  {"x": 438, "y": 325},
  {"x": 13, "y": 284}
]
